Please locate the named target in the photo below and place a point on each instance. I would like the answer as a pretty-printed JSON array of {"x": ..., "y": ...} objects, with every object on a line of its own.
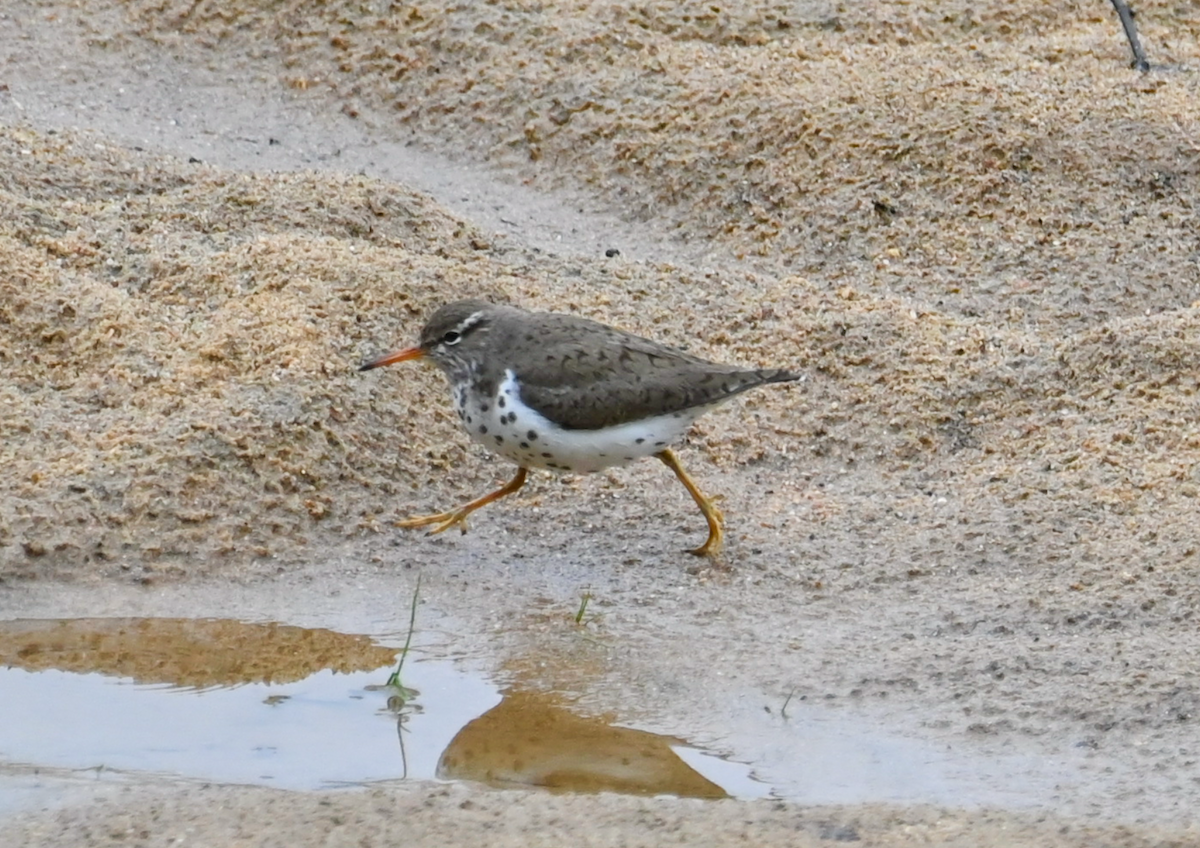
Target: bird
[{"x": 556, "y": 391}]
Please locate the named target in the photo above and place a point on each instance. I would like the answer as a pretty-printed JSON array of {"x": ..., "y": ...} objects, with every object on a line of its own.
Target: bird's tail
[{"x": 777, "y": 375}]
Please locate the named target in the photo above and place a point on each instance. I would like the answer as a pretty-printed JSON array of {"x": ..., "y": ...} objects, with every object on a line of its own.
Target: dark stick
[{"x": 1126, "y": 16}]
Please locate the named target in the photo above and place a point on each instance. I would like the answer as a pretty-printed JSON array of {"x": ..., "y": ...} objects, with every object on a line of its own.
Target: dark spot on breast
[
  {"x": 483, "y": 429},
  {"x": 500, "y": 402},
  {"x": 660, "y": 444},
  {"x": 629, "y": 459},
  {"x": 639, "y": 441},
  {"x": 469, "y": 420},
  {"x": 525, "y": 445},
  {"x": 547, "y": 455},
  {"x": 483, "y": 407},
  {"x": 532, "y": 435},
  {"x": 499, "y": 440}
]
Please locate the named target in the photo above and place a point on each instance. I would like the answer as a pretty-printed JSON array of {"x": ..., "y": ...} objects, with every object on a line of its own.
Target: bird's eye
[{"x": 452, "y": 338}]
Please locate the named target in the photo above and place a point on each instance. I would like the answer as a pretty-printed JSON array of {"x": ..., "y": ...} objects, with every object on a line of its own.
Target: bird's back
[{"x": 584, "y": 375}]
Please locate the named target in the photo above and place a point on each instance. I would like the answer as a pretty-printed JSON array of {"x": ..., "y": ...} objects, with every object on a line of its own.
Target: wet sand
[{"x": 973, "y": 228}]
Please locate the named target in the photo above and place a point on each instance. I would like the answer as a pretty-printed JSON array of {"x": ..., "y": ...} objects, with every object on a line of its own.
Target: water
[
  {"x": 224, "y": 701},
  {"x": 204, "y": 700}
]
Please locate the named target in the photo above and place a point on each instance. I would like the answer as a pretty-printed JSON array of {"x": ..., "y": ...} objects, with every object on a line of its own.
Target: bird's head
[{"x": 452, "y": 337}]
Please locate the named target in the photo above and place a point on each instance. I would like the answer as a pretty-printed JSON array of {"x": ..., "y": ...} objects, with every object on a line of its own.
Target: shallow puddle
[
  {"x": 300, "y": 708},
  {"x": 306, "y": 708}
]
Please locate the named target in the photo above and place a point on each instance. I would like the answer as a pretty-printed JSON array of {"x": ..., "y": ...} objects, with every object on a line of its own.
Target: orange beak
[{"x": 399, "y": 356}]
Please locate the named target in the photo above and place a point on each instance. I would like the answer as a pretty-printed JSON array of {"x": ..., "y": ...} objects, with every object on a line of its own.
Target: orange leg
[
  {"x": 446, "y": 520},
  {"x": 711, "y": 514}
]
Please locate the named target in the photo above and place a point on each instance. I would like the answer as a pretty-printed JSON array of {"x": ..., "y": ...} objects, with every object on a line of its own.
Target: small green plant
[
  {"x": 393, "y": 682},
  {"x": 583, "y": 605}
]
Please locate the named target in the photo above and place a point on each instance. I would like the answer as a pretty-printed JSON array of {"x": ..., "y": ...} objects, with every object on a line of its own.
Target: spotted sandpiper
[{"x": 548, "y": 390}]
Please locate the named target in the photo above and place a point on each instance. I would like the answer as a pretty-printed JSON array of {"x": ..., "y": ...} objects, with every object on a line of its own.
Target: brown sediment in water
[
  {"x": 196, "y": 653},
  {"x": 533, "y": 739}
]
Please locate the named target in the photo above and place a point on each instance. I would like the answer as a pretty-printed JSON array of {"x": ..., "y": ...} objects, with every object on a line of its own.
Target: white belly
[{"x": 511, "y": 429}]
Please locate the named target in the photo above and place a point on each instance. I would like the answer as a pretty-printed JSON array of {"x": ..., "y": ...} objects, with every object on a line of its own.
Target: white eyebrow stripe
[{"x": 469, "y": 322}]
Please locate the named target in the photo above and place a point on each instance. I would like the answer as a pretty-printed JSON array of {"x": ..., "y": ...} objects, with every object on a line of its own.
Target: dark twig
[
  {"x": 1126, "y": 16},
  {"x": 786, "y": 701}
]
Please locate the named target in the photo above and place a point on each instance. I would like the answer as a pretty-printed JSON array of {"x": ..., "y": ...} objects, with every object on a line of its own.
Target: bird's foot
[
  {"x": 716, "y": 532},
  {"x": 443, "y": 520},
  {"x": 446, "y": 520},
  {"x": 708, "y": 506},
  {"x": 711, "y": 546}
]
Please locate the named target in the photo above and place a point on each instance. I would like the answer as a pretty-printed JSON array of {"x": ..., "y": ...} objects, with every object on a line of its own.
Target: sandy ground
[{"x": 971, "y": 226}]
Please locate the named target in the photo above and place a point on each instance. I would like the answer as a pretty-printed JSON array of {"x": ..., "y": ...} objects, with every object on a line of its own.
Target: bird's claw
[{"x": 456, "y": 518}]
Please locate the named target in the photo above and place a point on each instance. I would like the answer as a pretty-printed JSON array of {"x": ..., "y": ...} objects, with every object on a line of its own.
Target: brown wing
[{"x": 584, "y": 376}]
